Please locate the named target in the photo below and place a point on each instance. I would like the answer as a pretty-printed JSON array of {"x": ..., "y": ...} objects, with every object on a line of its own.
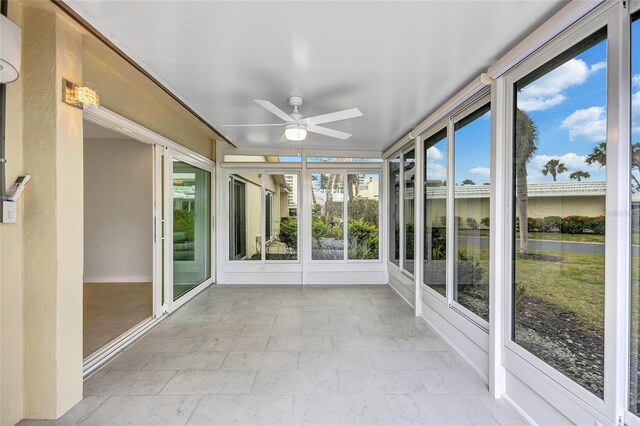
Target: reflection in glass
[
  {"x": 634, "y": 376},
  {"x": 327, "y": 229},
  {"x": 245, "y": 227},
  {"x": 435, "y": 212},
  {"x": 394, "y": 211},
  {"x": 471, "y": 211},
  {"x": 362, "y": 210},
  {"x": 559, "y": 204},
  {"x": 409, "y": 209},
  {"x": 281, "y": 208},
  {"x": 191, "y": 227}
]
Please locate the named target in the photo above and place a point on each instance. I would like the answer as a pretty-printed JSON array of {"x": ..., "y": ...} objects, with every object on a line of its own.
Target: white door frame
[
  {"x": 117, "y": 123},
  {"x": 170, "y": 154}
]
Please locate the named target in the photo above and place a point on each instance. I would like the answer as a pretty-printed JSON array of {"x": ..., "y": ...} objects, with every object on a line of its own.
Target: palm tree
[
  {"x": 526, "y": 144},
  {"x": 579, "y": 175},
  {"x": 599, "y": 155},
  {"x": 554, "y": 167}
]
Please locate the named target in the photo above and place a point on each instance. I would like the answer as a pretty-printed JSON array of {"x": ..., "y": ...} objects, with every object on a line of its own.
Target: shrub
[
  {"x": 550, "y": 224},
  {"x": 289, "y": 233},
  {"x": 469, "y": 269},
  {"x": 485, "y": 221},
  {"x": 596, "y": 225},
  {"x": 363, "y": 240},
  {"x": 319, "y": 228},
  {"x": 364, "y": 208},
  {"x": 574, "y": 225},
  {"x": 534, "y": 224},
  {"x": 184, "y": 221},
  {"x": 472, "y": 223}
]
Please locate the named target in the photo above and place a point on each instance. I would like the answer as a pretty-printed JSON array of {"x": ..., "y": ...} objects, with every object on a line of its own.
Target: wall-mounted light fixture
[
  {"x": 79, "y": 96},
  {"x": 10, "y": 44}
]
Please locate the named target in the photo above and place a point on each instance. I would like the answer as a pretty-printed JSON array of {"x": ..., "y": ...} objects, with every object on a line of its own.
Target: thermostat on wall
[{"x": 13, "y": 193}]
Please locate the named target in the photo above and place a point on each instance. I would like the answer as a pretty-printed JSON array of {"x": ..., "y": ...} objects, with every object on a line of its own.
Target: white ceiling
[{"x": 396, "y": 61}]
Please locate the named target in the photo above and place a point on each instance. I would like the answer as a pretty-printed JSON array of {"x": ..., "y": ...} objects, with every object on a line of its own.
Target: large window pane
[
  {"x": 281, "y": 205},
  {"x": 191, "y": 227},
  {"x": 362, "y": 212},
  {"x": 327, "y": 228},
  {"x": 634, "y": 376},
  {"x": 245, "y": 226},
  {"x": 559, "y": 205},
  {"x": 394, "y": 211},
  {"x": 471, "y": 211},
  {"x": 435, "y": 212},
  {"x": 409, "y": 209}
]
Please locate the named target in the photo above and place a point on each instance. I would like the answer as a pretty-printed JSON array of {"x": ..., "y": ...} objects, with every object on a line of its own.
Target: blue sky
[{"x": 568, "y": 106}]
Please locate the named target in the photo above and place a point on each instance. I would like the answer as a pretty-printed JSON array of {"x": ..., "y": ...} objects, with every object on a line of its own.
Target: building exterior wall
[{"x": 41, "y": 293}]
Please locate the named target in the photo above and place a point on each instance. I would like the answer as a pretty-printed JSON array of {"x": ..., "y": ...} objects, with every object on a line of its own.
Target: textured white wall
[{"x": 118, "y": 213}]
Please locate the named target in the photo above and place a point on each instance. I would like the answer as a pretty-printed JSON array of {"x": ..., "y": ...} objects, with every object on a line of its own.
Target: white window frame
[
  {"x": 236, "y": 173},
  {"x": 551, "y": 384},
  {"x": 436, "y": 128},
  {"x": 477, "y": 102},
  {"x": 344, "y": 172}
]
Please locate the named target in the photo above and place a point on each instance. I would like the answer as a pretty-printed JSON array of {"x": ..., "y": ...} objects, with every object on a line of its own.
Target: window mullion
[{"x": 450, "y": 213}]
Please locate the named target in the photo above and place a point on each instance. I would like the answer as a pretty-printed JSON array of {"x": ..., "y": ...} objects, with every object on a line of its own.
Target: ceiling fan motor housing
[{"x": 295, "y": 101}]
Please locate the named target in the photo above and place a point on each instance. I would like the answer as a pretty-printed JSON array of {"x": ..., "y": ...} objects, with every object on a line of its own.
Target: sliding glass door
[{"x": 188, "y": 257}]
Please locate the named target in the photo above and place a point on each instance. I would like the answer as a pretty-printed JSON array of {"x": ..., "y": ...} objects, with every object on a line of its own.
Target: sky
[{"x": 568, "y": 106}]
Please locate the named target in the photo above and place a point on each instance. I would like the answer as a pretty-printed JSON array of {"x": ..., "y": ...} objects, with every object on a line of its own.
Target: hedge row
[{"x": 567, "y": 225}]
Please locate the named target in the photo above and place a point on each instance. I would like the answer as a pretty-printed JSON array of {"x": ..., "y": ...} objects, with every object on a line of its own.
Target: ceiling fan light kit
[
  {"x": 296, "y": 125},
  {"x": 295, "y": 132}
]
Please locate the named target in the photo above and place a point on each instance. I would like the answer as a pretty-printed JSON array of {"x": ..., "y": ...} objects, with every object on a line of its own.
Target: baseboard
[
  {"x": 117, "y": 280},
  {"x": 526, "y": 417},
  {"x": 401, "y": 296}
]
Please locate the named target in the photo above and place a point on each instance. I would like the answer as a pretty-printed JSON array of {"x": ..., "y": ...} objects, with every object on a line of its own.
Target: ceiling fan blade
[
  {"x": 274, "y": 110},
  {"x": 254, "y": 125},
  {"x": 334, "y": 116},
  {"x": 328, "y": 132}
]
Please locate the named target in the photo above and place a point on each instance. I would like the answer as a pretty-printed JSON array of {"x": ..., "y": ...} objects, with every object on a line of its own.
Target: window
[
  {"x": 394, "y": 211},
  {"x": 559, "y": 152},
  {"x": 409, "y": 160},
  {"x": 362, "y": 212},
  {"x": 245, "y": 223},
  {"x": 634, "y": 376},
  {"x": 327, "y": 229},
  {"x": 241, "y": 158},
  {"x": 237, "y": 219},
  {"x": 343, "y": 160},
  {"x": 281, "y": 214},
  {"x": 435, "y": 212},
  {"x": 268, "y": 215},
  {"x": 472, "y": 154}
]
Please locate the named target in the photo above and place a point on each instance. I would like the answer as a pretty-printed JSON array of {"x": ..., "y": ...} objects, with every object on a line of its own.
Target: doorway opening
[{"x": 118, "y": 230}]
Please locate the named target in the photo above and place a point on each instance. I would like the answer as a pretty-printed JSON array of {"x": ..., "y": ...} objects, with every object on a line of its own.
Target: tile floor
[{"x": 277, "y": 355}]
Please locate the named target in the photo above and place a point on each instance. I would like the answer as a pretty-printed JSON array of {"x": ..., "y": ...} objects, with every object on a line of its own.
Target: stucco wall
[
  {"x": 11, "y": 264},
  {"x": 126, "y": 91},
  {"x": 41, "y": 256}
]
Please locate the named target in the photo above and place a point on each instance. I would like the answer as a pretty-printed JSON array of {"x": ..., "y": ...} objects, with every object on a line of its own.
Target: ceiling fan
[{"x": 296, "y": 125}]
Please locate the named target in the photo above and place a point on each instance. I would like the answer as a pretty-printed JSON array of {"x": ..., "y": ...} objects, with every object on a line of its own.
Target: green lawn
[
  {"x": 553, "y": 236},
  {"x": 573, "y": 285}
]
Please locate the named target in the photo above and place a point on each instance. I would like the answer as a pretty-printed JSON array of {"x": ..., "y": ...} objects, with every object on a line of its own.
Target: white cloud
[
  {"x": 589, "y": 124},
  {"x": 572, "y": 161},
  {"x": 635, "y": 112},
  {"x": 549, "y": 90},
  {"x": 481, "y": 171},
  {"x": 435, "y": 170},
  {"x": 434, "y": 153},
  {"x": 635, "y": 80}
]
